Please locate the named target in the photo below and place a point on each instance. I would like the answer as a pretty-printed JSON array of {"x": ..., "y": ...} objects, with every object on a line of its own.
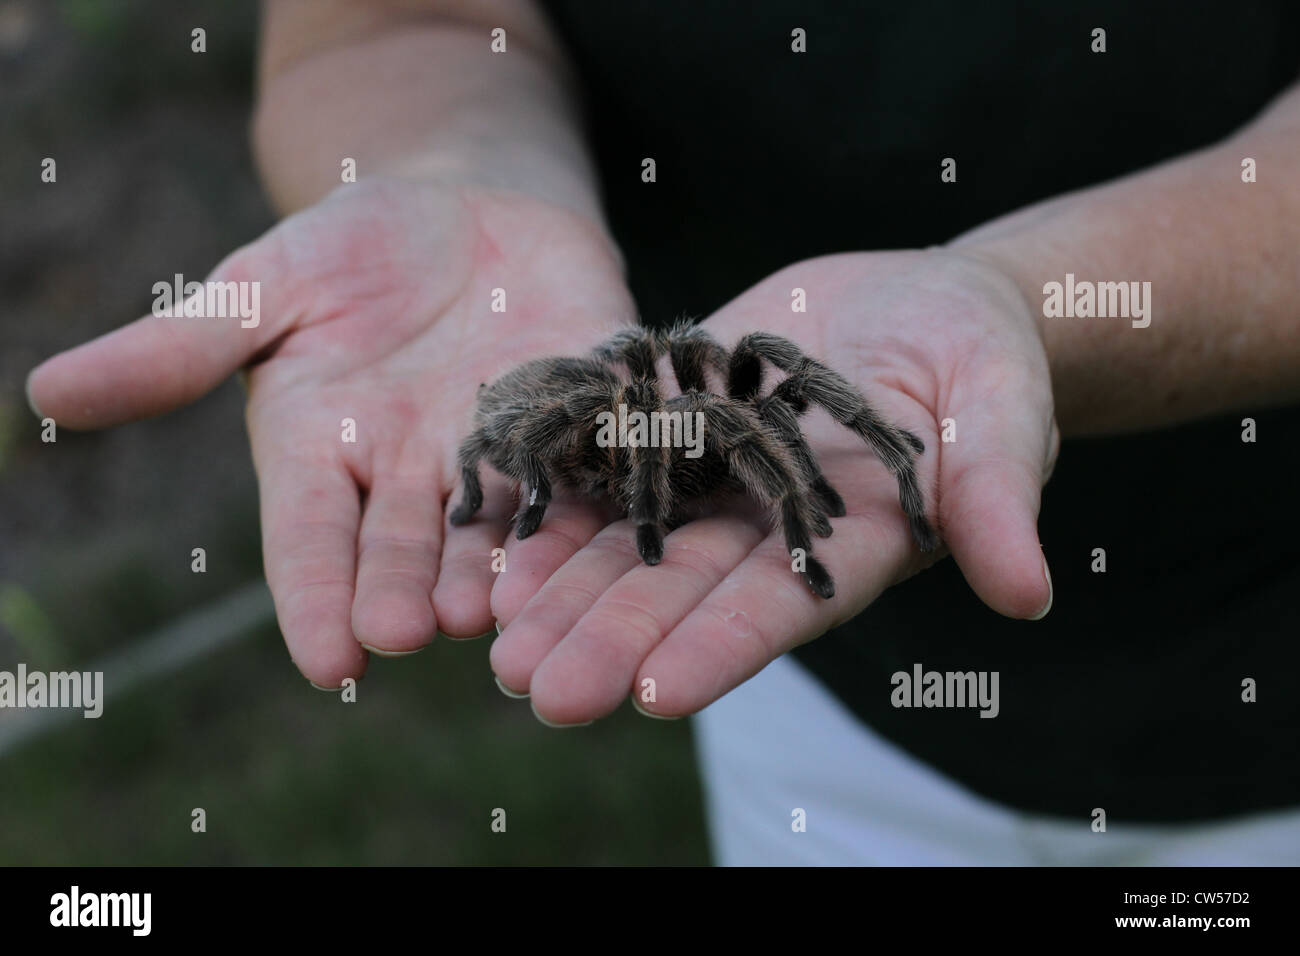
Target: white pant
[{"x": 782, "y": 742}]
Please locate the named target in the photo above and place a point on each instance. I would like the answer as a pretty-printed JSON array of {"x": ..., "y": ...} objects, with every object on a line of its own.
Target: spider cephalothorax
[{"x": 564, "y": 421}]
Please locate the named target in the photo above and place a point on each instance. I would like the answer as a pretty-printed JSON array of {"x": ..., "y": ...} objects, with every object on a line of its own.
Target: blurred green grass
[
  {"x": 154, "y": 178},
  {"x": 408, "y": 774}
]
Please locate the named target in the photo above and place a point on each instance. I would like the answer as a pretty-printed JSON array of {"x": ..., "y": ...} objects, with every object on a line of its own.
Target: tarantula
[{"x": 542, "y": 424}]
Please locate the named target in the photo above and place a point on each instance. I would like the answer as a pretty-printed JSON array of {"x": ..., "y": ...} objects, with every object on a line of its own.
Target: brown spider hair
[{"x": 540, "y": 425}]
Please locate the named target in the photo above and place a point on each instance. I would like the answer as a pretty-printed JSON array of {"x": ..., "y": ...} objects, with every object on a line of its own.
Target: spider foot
[
  {"x": 830, "y": 498},
  {"x": 462, "y": 514},
  {"x": 818, "y": 578},
  {"x": 925, "y": 537},
  {"x": 529, "y": 520},
  {"x": 649, "y": 543},
  {"x": 918, "y": 446}
]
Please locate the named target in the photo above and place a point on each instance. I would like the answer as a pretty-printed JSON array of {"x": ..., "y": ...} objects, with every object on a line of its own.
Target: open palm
[
  {"x": 377, "y": 306},
  {"x": 928, "y": 337}
]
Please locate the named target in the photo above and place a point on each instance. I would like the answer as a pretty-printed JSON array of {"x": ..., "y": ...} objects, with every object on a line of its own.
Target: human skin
[
  {"x": 376, "y": 306},
  {"x": 376, "y": 299},
  {"x": 947, "y": 333}
]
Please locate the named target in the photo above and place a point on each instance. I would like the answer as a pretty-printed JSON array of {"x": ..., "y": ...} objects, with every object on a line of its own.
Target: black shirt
[{"x": 1129, "y": 695}]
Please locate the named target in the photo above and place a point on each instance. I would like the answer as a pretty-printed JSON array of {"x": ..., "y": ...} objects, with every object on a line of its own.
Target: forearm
[
  {"x": 1223, "y": 260},
  {"x": 412, "y": 89}
]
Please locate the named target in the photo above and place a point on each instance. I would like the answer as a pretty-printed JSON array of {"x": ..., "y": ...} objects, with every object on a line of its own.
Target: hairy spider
[{"x": 550, "y": 422}]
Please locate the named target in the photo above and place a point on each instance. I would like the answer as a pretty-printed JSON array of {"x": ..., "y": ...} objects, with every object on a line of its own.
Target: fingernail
[
  {"x": 497, "y": 625},
  {"x": 508, "y": 692},
  {"x": 463, "y": 640},
  {"x": 587, "y": 723},
  {"x": 641, "y": 710},
  {"x": 335, "y": 690},
  {"x": 383, "y": 653},
  {"x": 1047, "y": 573},
  {"x": 31, "y": 402}
]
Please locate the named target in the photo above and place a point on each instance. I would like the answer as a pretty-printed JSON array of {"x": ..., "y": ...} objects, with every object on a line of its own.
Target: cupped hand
[
  {"x": 387, "y": 304},
  {"x": 940, "y": 344}
]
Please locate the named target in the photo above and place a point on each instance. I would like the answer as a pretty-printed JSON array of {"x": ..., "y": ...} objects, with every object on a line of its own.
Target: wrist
[
  {"x": 437, "y": 110},
  {"x": 1002, "y": 266}
]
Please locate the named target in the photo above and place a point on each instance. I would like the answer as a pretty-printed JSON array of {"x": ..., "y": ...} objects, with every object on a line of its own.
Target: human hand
[
  {"x": 926, "y": 336},
  {"x": 376, "y": 306}
]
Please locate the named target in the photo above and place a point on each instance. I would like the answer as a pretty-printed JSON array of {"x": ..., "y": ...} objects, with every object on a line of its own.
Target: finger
[
  {"x": 310, "y": 517},
  {"x": 763, "y": 608},
  {"x": 991, "y": 485},
  {"x": 587, "y": 675},
  {"x": 461, "y": 598},
  {"x": 157, "y": 363},
  {"x": 560, "y": 603},
  {"x": 568, "y": 526},
  {"x": 397, "y": 563}
]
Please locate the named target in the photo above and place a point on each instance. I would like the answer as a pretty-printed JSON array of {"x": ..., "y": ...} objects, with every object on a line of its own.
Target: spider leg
[
  {"x": 532, "y": 473},
  {"x": 781, "y": 410},
  {"x": 744, "y": 372},
  {"x": 517, "y": 463},
  {"x": 692, "y": 351},
  {"x": 637, "y": 348},
  {"x": 547, "y": 435},
  {"x": 757, "y": 457},
  {"x": 647, "y": 490},
  {"x": 783, "y": 416},
  {"x": 472, "y": 449},
  {"x": 826, "y": 493},
  {"x": 810, "y": 381}
]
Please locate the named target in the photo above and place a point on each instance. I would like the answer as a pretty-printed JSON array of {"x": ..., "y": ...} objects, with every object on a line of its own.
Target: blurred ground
[{"x": 96, "y": 530}]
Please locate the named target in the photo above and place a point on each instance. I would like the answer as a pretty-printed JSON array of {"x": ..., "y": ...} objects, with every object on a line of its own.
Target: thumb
[
  {"x": 991, "y": 492},
  {"x": 158, "y": 363}
]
